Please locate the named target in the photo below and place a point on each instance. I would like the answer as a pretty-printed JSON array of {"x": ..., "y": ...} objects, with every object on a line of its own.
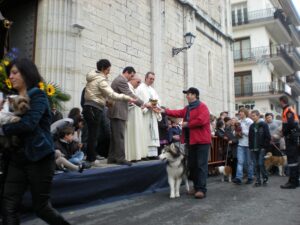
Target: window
[
  {"x": 243, "y": 83},
  {"x": 239, "y": 14},
  {"x": 242, "y": 49}
]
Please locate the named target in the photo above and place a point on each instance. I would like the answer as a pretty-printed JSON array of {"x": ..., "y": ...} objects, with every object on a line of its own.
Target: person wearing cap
[{"x": 196, "y": 135}]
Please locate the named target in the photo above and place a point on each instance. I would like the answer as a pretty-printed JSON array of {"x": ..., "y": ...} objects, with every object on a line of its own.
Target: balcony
[
  {"x": 294, "y": 82},
  {"x": 294, "y": 54},
  {"x": 295, "y": 34},
  {"x": 262, "y": 90},
  {"x": 278, "y": 55},
  {"x": 273, "y": 19}
]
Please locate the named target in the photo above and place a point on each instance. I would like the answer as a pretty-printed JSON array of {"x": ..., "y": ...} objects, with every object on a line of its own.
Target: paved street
[{"x": 226, "y": 204}]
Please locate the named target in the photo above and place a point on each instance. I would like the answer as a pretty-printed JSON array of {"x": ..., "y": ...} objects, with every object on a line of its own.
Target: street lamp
[{"x": 189, "y": 40}]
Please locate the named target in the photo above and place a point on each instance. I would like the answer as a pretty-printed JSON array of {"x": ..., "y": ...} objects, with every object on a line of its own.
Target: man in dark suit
[{"x": 118, "y": 115}]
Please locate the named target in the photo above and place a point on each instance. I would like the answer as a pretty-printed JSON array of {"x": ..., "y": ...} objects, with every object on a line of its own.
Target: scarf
[{"x": 191, "y": 105}]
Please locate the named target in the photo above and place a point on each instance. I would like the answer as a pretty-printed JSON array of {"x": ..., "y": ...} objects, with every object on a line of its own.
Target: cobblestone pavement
[{"x": 225, "y": 204}]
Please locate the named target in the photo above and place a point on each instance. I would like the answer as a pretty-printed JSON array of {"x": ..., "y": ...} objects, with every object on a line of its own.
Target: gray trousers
[{"x": 117, "y": 144}]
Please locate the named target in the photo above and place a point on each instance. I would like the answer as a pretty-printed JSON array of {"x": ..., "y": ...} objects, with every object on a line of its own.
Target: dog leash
[
  {"x": 282, "y": 154},
  {"x": 226, "y": 154}
]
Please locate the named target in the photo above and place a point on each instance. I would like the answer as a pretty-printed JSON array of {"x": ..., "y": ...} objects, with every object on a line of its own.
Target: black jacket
[{"x": 261, "y": 136}]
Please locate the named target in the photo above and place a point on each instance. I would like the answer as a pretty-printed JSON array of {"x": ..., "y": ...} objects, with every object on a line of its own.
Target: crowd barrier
[{"x": 217, "y": 153}]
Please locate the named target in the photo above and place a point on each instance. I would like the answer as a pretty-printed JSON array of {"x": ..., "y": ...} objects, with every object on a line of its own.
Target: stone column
[
  {"x": 58, "y": 46},
  {"x": 189, "y": 26},
  {"x": 156, "y": 37}
]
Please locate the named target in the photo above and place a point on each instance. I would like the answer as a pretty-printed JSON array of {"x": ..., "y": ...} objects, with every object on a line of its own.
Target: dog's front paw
[
  {"x": 177, "y": 195},
  {"x": 172, "y": 196}
]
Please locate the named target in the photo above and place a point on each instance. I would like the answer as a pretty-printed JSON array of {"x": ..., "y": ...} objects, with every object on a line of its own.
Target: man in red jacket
[{"x": 197, "y": 137}]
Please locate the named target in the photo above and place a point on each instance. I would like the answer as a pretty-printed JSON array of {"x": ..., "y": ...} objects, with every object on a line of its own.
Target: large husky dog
[{"x": 176, "y": 169}]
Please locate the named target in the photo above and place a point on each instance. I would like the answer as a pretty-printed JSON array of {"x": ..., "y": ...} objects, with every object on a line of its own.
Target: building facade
[
  {"x": 266, "y": 53},
  {"x": 68, "y": 37}
]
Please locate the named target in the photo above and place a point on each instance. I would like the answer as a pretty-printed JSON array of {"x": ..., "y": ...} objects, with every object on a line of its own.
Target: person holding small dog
[
  {"x": 32, "y": 163},
  {"x": 196, "y": 135},
  {"x": 243, "y": 153},
  {"x": 259, "y": 142},
  {"x": 290, "y": 130}
]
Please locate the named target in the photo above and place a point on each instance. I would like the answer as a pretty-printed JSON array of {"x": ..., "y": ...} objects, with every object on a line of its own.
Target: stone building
[{"x": 66, "y": 38}]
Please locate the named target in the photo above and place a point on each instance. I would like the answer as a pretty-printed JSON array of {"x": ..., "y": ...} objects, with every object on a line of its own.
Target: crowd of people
[
  {"x": 250, "y": 135},
  {"x": 125, "y": 122}
]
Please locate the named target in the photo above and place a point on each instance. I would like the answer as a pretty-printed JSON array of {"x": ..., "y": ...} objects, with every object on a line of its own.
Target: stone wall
[{"x": 73, "y": 34}]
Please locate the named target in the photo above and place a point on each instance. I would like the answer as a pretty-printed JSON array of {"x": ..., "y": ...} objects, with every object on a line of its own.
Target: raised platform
[{"x": 96, "y": 184}]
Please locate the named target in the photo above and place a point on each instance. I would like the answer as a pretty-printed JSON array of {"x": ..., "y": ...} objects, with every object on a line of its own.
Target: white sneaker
[{"x": 96, "y": 163}]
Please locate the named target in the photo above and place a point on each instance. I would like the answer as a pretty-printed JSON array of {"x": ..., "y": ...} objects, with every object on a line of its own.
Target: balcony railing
[
  {"x": 257, "y": 89},
  {"x": 262, "y": 54},
  {"x": 245, "y": 17}
]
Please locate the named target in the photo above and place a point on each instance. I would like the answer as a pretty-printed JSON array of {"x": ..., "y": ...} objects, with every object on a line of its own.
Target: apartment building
[{"x": 266, "y": 53}]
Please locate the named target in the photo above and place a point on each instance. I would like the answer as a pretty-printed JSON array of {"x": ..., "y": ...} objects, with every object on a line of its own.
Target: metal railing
[
  {"x": 262, "y": 54},
  {"x": 245, "y": 17},
  {"x": 260, "y": 89}
]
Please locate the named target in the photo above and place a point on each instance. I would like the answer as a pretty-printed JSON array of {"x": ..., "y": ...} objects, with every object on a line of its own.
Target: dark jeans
[
  {"x": 38, "y": 177},
  {"x": 293, "y": 163},
  {"x": 104, "y": 133},
  {"x": 198, "y": 165},
  {"x": 92, "y": 117},
  {"x": 117, "y": 144},
  {"x": 258, "y": 162}
]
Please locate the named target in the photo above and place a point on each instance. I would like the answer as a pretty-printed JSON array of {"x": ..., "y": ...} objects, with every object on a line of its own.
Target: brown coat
[{"x": 120, "y": 109}]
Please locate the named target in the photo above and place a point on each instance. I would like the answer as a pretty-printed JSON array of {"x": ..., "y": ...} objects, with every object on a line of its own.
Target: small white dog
[
  {"x": 176, "y": 169},
  {"x": 225, "y": 171}
]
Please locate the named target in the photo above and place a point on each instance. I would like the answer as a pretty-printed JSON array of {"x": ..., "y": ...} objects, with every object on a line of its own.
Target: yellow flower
[
  {"x": 8, "y": 83},
  {"x": 41, "y": 86},
  {"x": 5, "y": 62},
  {"x": 50, "y": 90},
  {"x": 1, "y": 68}
]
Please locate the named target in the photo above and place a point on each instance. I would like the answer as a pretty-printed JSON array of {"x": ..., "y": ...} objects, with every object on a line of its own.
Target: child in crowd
[
  {"x": 220, "y": 129},
  {"x": 259, "y": 142},
  {"x": 174, "y": 131},
  {"x": 163, "y": 127},
  {"x": 68, "y": 152}
]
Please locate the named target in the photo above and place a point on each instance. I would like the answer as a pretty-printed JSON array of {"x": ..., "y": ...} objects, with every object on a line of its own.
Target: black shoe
[
  {"x": 124, "y": 162},
  {"x": 265, "y": 181},
  {"x": 87, "y": 165},
  {"x": 237, "y": 181},
  {"x": 257, "y": 184},
  {"x": 81, "y": 167},
  {"x": 288, "y": 185},
  {"x": 153, "y": 158},
  {"x": 249, "y": 181},
  {"x": 111, "y": 161}
]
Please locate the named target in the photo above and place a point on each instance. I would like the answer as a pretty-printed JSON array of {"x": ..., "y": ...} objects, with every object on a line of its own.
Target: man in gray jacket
[
  {"x": 97, "y": 92},
  {"x": 118, "y": 115}
]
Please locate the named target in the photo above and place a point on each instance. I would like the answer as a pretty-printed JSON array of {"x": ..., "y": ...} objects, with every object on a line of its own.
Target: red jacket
[{"x": 199, "y": 123}]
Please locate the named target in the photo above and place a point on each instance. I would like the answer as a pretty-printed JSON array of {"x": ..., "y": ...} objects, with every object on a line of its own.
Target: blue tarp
[{"x": 74, "y": 188}]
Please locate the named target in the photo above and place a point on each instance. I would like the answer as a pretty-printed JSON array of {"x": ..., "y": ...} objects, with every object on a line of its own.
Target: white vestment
[
  {"x": 135, "y": 137},
  {"x": 145, "y": 93}
]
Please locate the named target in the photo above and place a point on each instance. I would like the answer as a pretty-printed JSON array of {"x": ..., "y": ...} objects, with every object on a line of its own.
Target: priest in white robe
[
  {"x": 148, "y": 94},
  {"x": 135, "y": 136}
]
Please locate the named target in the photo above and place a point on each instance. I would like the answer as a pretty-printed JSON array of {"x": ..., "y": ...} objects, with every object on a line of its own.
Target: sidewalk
[{"x": 226, "y": 204}]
